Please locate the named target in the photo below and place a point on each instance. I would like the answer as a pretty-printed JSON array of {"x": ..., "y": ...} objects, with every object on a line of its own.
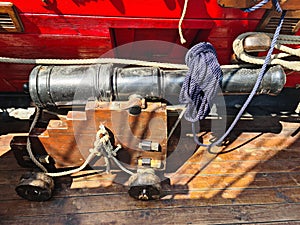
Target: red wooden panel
[
  {"x": 132, "y": 8},
  {"x": 87, "y": 29}
]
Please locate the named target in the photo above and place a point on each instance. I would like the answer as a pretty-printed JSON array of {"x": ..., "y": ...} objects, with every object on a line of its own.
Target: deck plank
[
  {"x": 256, "y": 180},
  {"x": 174, "y": 215}
]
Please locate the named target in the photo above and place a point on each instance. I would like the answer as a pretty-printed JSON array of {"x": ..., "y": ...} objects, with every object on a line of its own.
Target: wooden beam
[{"x": 285, "y": 4}]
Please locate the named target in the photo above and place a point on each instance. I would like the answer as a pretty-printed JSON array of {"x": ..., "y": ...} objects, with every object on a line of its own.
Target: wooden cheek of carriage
[{"x": 141, "y": 131}]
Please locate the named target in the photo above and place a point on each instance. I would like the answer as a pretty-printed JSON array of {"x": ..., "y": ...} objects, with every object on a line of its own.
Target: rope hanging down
[
  {"x": 201, "y": 82},
  {"x": 275, "y": 3},
  {"x": 196, "y": 72},
  {"x": 182, "y": 39}
]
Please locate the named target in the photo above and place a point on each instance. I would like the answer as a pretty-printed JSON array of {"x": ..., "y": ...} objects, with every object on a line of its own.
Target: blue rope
[
  {"x": 262, "y": 3},
  {"x": 201, "y": 82},
  {"x": 257, "y": 6},
  {"x": 197, "y": 70},
  {"x": 257, "y": 84},
  {"x": 277, "y": 5}
]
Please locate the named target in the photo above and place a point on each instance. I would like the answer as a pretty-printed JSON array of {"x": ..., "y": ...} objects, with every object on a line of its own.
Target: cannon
[
  {"x": 125, "y": 116},
  {"x": 58, "y": 86}
]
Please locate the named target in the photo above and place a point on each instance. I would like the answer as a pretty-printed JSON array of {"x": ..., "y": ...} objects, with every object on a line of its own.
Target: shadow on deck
[{"x": 255, "y": 179}]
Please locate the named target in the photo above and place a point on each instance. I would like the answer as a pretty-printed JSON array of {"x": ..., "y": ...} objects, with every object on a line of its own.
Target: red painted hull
[{"x": 90, "y": 28}]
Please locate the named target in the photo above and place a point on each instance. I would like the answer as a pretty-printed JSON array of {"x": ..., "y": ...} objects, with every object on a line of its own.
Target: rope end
[{"x": 182, "y": 40}]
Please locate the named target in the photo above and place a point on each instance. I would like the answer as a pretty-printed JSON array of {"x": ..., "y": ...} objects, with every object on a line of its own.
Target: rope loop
[{"x": 201, "y": 82}]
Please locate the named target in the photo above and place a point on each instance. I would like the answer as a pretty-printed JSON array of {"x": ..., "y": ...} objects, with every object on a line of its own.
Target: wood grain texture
[{"x": 258, "y": 182}]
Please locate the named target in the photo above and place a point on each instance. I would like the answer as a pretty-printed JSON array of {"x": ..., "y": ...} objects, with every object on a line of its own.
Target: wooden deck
[{"x": 256, "y": 180}]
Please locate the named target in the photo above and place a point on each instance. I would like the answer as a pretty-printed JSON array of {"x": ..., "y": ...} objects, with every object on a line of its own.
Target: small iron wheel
[
  {"x": 35, "y": 186},
  {"x": 144, "y": 185}
]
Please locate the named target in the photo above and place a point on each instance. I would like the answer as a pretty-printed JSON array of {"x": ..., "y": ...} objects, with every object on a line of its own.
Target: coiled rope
[
  {"x": 201, "y": 82},
  {"x": 247, "y": 102}
]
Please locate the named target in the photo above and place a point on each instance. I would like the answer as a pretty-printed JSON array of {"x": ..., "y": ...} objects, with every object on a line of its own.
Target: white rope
[
  {"x": 182, "y": 40},
  {"x": 68, "y": 172},
  {"x": 92, "y": 61},
  {"x": 102, "y": 148},
  {"x": 99, "y": 144},
  {"x": 103, "y": 61},
  {"x": 276, "y": 59},
  {"x": 121, "y": 166}
]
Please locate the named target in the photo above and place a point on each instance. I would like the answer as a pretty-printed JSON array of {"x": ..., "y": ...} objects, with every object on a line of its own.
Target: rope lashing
[
  {"x": 276, "y": 59},
  {"x": 201, "y": 82},
  {"x": 102, "y": 148},
  {"x": 275, "y": 3}
]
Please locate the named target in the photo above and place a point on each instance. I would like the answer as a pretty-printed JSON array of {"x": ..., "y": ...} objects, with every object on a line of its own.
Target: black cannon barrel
[
  {"x": 69, "y": 85},
  {"x": 75, "y": 85}
]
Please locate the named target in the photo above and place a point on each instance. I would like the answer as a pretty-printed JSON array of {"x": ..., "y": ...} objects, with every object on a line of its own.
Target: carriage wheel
[
  {"x": 35, "y": 186},
  {"x": 144, "y": 185}
]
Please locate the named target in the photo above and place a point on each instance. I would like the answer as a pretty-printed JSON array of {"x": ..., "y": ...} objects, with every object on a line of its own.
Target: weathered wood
[
  {"x": 118, "y": 202},
  {"x": 4, "y": 143},
  {"x": 68, "y": 140},
  {"x": 231, "y": 187},
  {"x": 179, "y": 215},
  {"x": 255, "y": 180},
  {"x": 270, "y": 20}
]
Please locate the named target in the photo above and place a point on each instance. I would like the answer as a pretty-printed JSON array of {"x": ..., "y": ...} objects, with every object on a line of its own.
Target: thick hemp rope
[
  {"x": 92, "y": 61},
  {"x": 276, "y": 59}
]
